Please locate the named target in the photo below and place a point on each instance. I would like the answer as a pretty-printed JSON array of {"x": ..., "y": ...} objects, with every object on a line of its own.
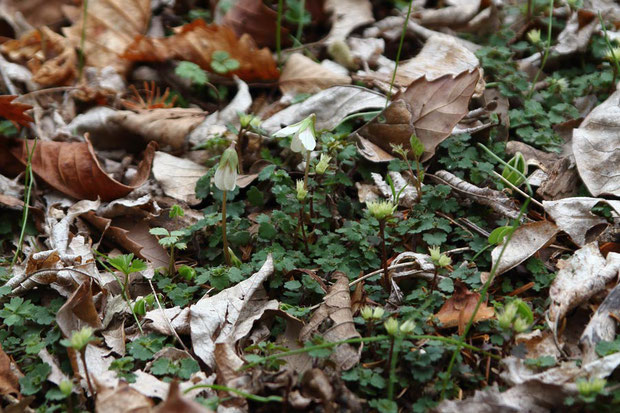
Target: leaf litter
[{"x": 391, "y": 265}]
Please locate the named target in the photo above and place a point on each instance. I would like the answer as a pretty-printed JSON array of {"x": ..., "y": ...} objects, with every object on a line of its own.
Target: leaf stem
[
  {"x": 400, "y": 47},
  {"x": 249, "y": 396}
]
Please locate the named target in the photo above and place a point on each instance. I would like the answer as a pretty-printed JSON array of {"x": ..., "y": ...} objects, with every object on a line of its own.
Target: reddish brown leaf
[
  {"x": 14, "y": 111},
  {"x": 71, "y": 167},
  {"x": 428, "y": 109},
  {"x": 78, "y": 311},
  {"x": 196, "y": 43},
  {"x": 9, "y": 383},
  {"x": 256, "y": 19},
  {"x": 176, "y": 403},
  {"x": 121, "y": 399},
  {"x": 458, "y": 309}
]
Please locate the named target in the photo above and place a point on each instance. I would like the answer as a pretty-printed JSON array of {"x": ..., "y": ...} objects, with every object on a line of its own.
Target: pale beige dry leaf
[
  {"x": 346, "y": 16},
  {"x": 596, "y": 146},
  {"x": 602, "y": 325},
  {"x": 574, "y": 216},
  {"x": 78, "y": 311},
  {"x": 177, "y": 316},
  {"x": 110, "y": 27},
  {"x": 457, "y": 13},
  {"x": 428, "y": 109},
  {"x": 177, "y": 176},
  {"x": 303, "y": 75},
  {"x": 579, "y": 278},
  {"x": 229, "y": 315},
  {"x": 121, "y": 399},
  {"x": 330, "y": 106},
  {"x": 526, "y": 241},
  {"x": 35, "y": 13},
  {"x": 335, "y": 312}
]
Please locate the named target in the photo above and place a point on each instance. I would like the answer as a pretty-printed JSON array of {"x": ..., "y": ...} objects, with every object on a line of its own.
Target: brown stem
[
  {"x": 224, "y": 239},
  {"x": 386, "y": 280},
  {"x": 303, "y": 228},
  {"x": 90, "y": 385}
]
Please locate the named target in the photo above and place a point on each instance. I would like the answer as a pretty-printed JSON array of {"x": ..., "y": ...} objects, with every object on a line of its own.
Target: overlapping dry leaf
[
  {"x": 196, "y": 42},
  {"x": 9, "y": 383},
  {"x": 302, "y": 75},
  {"x": 14, "y": 111},
  {"x": 346, "y": 16},
  {"x": 458, "y": 309}
]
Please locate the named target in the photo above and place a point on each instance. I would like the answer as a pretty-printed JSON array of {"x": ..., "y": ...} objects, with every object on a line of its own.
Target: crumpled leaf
[
  {"x": 176, "y": 403},
  {"x": 331, "y": 106},
  {"x": 574, "y": 216},
  {"x": 229, "y": 315},
  {"x": 256, "y": 19},
  {"x": 9, "y": 383},
  {"x": 36, "y": 13},
  {"x": 579, "y": 278},
  {"x": 121, "y": 399},
  {"x": 110, "y": 26},
  {"x": 303, "y": 75},
  {"x": 602, "y": 325},
  {"x": 78, "y": 311},
  {"x": 346, "y": 16},
  {"x": 177, "y": 176},
  {"x": 14, "y": 111},
  {"x": 48, "y": 55},
  {"x": 335, "y": 312},
  {"x": 457, "y": 13},
  {"x": 458, "y": 309},
  {"x": 71, "y": 167},
  {"x": 596, "y": 146},
  {"x": 526, "y": 241},
  {"x": 196, "y": 42},
  {"x": 428, "y": 109}
]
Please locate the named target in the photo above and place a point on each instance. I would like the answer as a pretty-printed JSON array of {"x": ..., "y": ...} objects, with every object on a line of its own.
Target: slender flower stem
[
  {"x": 28, "y": 180},
  {"x": 400, "y": 48},
  {"x": 248, "y": 396},
  {"x": 90, "y": 385},
  {"x": 307, "y": 170},
  {"x": 393, "y": 359},
  {"x": 303, "y": 228},
  {"x": 224, "y": 239},
  {"x": 386, "y": 280},
  {"x": 300, "y": 26}
]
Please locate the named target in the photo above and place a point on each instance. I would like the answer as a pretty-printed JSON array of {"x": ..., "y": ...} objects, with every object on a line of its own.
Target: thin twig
[
  {"x": 516, "y": 189},
  {"x": 163, "y": 314}
]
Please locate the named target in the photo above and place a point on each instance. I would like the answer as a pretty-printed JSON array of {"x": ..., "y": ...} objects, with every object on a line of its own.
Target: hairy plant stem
[
  {"x": 400, "y": 48},
  {"x": 303, "y": 228},
  {"x": 171, "y": 269},
  {"x": 90, "y": 385},
  {"x": 241, "y": 140},
  {"x": 392, "y": 360},
  {"x": 224, "y": 239},
  {"x": 28, "y": 180},
  {"x": 546, "y": 54},
  {"x": 278, "y": 33},
  {"x": 386, "y": 280}
]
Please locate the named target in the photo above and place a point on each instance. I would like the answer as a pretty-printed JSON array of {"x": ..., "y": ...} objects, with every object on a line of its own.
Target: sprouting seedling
[
  {"x": 515, "y": 177},
  {"x": 440, "y": 260},
  {"x": 382, "y": 211},
  {"x": 222, "y": 63},
  {"x": 78, "y": 341},
  {"x": 498, "y": 235},
  {"x": 225, "y": 180},
  {"x": 171, "y": 240}
]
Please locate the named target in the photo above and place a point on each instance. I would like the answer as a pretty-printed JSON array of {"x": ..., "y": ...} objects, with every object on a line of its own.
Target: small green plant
[
  {"x": 382, "y": 211},
  {"x": 183, "y": 368},
  {"x": 192, "y": 72},
  {"x": 225, "y": 180},
  {"x": 171, "y": 239},
  {"x": 440, "y": 260},
  {"x": 515, "y": 177},
  {"x": 123, "y": 367},
  {"x": 78, "y": 341},
  {"x": 222, "y": 63}
]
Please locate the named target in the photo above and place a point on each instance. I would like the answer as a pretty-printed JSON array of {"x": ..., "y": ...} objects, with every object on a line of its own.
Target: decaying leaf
[
  {"x": 346, "y": 16},
  {"x": 78, "y": 311},
  {"x": 303, "y": 75},
  {"x": 48, "y": 55},
  {"x": 121, "y": 399},
  {"x": 256, "y": 19},
  {"x": 177, "y": 176},
  {"x": 71, "y": 168},
  {"x": 526, "y": 241},
  {"x": 579, "y": 278},
  {"x": 9, "y": 383},
  {"x": 229, "y": 315},
  {"x": 459, "y": 308},
  {"x": 176, "y": 403},
  {"x": 602, "y": 325},
  {"x": 574, "y": 216},
  {"x": 427, "y": 109},
  {"x": 596, "y": 145},
  {"x": 457, "y": 13},
  {"x": 110, "y": 27},
  {"x": 330, "y": 106},
  {"x": 14, "y": 111},
  {"x": 196, "y": 42},
  {"x": 335, "y": 312}
]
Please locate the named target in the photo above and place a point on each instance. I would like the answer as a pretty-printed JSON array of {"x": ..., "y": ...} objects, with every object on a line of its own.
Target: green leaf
[
  {"x": 32, "y": 382},
  {"x": 267, "y": 231},
  {"x": 163, "y": 232},
  {"x": 191, "y": 71},
  {"x": 446, "y": 285},
  {"x": 145, "y": 347},
  {"x": 516, "y": 176},
  {"x": 435, "y": 238},
  {"x": 417, "y": 147},
  {"x": 255, "y": 196},
  {"x": 218, "y": 67},
  {"x": 220, "y": 55},
  {"x": 231, "y": 64},
  {"x": 498, "y": 235}
]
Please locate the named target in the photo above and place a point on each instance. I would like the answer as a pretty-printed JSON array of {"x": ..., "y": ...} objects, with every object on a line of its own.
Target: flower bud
[
  {"x": 613, "y": 54},
  {"x": 381, "y": 209},
  {"x": 444, "y": 261},
  {"x": 323, "y": 164},
  {"x": 435, "y": 253},
  {"x": 80, "y": 338},
  {"x": 366, "y": 313},
  {"x": 391, "y": 326},
  {"x": 66, "y": 387},
  {"x": 534, "y": 36},
  {"x": 520, "y": 325},
  {"x": 407, "y": 327},
  {"x": 377, "y": 313},
  {"x": 302, "y": 192},
  {"x": 591, "y": 387},
  {"x": 225, "y": 178}
]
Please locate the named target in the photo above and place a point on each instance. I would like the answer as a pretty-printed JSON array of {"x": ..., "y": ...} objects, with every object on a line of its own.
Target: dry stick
[
  {"x": 163, "y": 313},
  {"x": 511, "y": 185}
]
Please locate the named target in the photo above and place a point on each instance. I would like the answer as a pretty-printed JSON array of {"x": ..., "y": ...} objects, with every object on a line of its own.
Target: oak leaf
[
  {"x": 14, "y": 111},
  {"x": 197, "y": 41}
]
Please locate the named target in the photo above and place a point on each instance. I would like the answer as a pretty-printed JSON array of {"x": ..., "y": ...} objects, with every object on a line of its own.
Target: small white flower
[
  {"x": 225, "y": 178},
  {"x": 304, "y": 136}
]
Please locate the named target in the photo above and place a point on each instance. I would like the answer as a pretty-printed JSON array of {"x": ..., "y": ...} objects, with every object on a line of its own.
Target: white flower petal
[
  {"x": 296, "y": 145},
  {"x": 307, "y": 139},
  {"x": 225, "y": 179},
  {"x": 288, "y": 131}
]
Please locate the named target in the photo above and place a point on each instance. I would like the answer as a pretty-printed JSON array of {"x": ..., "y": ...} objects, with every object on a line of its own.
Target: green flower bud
[
  {"x": 534, "y": 36},
  {"x": 407, "y": 327},
  {"x": 234, "y": 260},
  {"x": 66, "y": 387},
  {"x": 366, "y": 313},
  {"x": 381, "y": 209},
  {"x": 377, "y": 313},
  {"x": 249, "y": 120},
  {"x": 80, "y": 339},
  {"x": 520, "y": 325},
  {"x": 591, "y": 387},
  {"x": 435, "y": 253},
  {"x": 323, "y": 164},
  {"x": 391, "y": 326},
  {"x": 444, "y": 261},
  {"x": 302, "y": 192},
  {"x": 613, "y": 54}
]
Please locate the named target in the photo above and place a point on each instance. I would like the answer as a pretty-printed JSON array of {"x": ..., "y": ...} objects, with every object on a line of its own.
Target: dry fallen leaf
[
  {"x": 579, "y": 278},
  {"x": 256, "y": 19},
  {"x": 457, "y": 13},
  {"x": 9, "y": 383},
  {"x": 303, "y": 75},
  {"x": 48, "y": 55},
  {"x": 335, "y": 312},
  {"x": 177, "y": 176},
  {"x": 176, "y": 403},
  {"x": 78, "y": 311},
  {"x": 196, "y": 42},
  {"x": 602, "y": 325},
  {"x": 346, "y": 16},
  {"x": 14, "y": 111},
  {"x": 110, "y": 26},
  {"x": 70, "y": 167},
  {"x": 526, "y": 241},
  {"x": 121, "y": 399},
  {"x": 459, "y": 308},
  {"x": 428, "y": 109},
  {"x": 596, "y": 145}
]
